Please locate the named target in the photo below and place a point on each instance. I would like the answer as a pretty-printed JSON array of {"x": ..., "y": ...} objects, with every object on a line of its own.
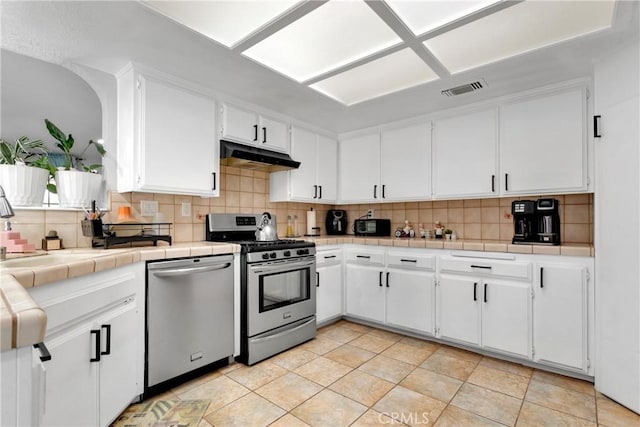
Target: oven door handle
[
  {"x": 185, "y": 271},
  {"x": 279, "y": 334},
  {"x": 281, "y": 267}
]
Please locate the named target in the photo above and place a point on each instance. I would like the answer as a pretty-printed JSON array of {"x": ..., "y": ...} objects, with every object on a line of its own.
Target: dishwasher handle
[{"x": 185, "y": 271}]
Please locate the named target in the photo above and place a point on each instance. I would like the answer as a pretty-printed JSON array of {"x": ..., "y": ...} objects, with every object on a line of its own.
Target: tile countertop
[{"x": 23, "y": 322}]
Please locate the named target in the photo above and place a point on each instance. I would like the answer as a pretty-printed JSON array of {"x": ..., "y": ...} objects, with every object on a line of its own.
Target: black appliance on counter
[
  {"x": 536, "y": 221},
  {"x": 372, "y": 227},
  {"x": 277, "y": 287},
  {"x": 336, "y": 222}
]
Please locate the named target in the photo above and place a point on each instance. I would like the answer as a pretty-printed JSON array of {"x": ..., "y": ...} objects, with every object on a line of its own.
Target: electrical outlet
[
  {"x": 370, "y": 213},
  {"x": 186, "y": 209},
  {"x": 148, "y": 207}
]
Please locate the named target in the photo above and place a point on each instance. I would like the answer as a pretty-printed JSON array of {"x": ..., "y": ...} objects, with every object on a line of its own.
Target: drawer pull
[
  {"x": 363, "y": 256},
  {"x": 329, "y": 256},
  {"x": 408, "y": 260},
  {"x": 44, "y": 351},
  {"x": 486, "y": 267}
]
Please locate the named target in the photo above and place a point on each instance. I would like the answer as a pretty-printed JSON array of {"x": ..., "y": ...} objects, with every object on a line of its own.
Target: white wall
[{"x": 617, "y": 226}]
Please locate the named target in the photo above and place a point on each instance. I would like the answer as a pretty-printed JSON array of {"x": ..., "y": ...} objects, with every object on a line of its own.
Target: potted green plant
[
  {"x": 76, "y": 184},
  {"x": 447, "y": 233},
  {"x": 24, "y": 171}
]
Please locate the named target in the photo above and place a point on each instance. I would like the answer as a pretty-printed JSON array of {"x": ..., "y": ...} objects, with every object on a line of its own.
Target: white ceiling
[{"x": 107, "y": 35}]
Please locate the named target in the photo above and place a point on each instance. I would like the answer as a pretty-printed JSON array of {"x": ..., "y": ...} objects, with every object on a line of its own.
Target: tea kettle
[{"x": 266, "y": 230}]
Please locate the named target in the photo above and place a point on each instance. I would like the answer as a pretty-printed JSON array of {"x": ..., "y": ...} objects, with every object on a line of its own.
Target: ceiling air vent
[{"x": 466, "y": 88}]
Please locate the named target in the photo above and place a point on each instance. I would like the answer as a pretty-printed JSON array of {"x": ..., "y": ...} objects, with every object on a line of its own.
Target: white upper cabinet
[
  {"x": 405, "y": 163},
  {"x": 166, "y": 136},
  {"x": 465, "y": 156},
  {"x": 374, "y": 167},
  {"x": 360, "y": 169},
  {"x": 316, "y": 180},
  {"x": 248, "y": 127},
  {"x": 543, "y": 144}
]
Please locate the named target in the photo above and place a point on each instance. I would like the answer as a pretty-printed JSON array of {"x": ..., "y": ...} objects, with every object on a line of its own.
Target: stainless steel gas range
[{"x": 277, "y": 287}]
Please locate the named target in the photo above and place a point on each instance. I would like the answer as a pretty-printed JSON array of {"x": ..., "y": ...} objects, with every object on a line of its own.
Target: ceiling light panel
[
  {"x": 423, "y": 16},
  {"x": 335, "y": 34},
  {"x": 226, "y": 22},
  {"x": 518, "y": 29},
  {"x": 391, "y": 73}
]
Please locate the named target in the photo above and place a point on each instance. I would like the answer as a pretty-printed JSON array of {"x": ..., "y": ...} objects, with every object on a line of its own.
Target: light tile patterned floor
[{"x": 356, "y": 375}]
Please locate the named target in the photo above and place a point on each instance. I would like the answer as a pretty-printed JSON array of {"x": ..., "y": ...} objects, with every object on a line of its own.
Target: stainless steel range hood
[{"x": 247, "y": 157}]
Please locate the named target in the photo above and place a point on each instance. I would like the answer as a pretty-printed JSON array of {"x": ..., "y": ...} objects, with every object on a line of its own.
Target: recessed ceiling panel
[
  {"x": 333, "y": 35},
  {"x": 423, "y": 16},
  {"x": 391, "y": 73},
  {"x": 224, "y": 21},
  {"x": 517, "y": 29}
]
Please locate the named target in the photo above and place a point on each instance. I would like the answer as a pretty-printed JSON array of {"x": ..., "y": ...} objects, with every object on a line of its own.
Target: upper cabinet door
[
  {"x": 464, "y": 156},
  {"x": 405, "y": 168},
  {"x": 240, "y": 125},
  {"x": 177, "y": 145},
  {"x": 360, "y": 169},
  {"x": 327, "y": 167},
  {"x": 304, "y": 186},
  {"x": 273, "y": 135},
  {"x": 543, "y": 144}
]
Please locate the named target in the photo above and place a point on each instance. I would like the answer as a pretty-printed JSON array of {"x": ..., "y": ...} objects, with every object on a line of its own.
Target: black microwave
[{"x": 372, "y": 227}]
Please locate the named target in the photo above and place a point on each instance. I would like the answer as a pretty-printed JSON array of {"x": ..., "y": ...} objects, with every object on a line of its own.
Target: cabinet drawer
[
  {"x": 411, "y": 260},
  {"x": 329, "y": 257},
  {"x": 365, "y": 256},
  {"x": 487, "y": 267}
]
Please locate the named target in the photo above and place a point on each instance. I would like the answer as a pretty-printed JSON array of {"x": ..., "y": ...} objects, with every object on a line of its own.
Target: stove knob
[
  {"x": 272, "y": 255},
  {"x": 265, "y": 256},
  {"x": 286, "y": 253},
  {"x": 303, "y": 252}
]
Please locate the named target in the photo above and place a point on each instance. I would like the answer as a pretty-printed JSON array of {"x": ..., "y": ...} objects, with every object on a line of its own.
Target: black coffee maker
[
  {"x": 336, "y": 222},
  {"x": 524, "y": 222},
  {"x": 548, "y": 222}
]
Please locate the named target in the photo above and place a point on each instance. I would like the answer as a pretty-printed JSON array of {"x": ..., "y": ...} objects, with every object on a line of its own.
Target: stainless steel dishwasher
[{"x": 189, "y": 322}]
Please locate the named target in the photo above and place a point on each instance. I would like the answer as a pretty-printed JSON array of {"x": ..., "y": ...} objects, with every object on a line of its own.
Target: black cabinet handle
[
  {"x": 541, "y": 277},
  {"x": 380, "y": 279},
  {"x": 375, "y": 191},
  {"x": 493, "y": 183},
  {"x": 317, "y": 279},
  {"x": 329, "y": 256},
  {"x": 255, "y": 132},
  {"x": 475, "y": 289},
  {"x": 363, "y": 256},
  {"x": 485, "y": 292},
  {"x": 383, "y": 187},
  {"x": 96, "y": 332},
  {"x": 408, "y": 260},
  {"x": 315, "y": 191},
  {"x": 107, "y": 328},
  {"x": 506, "y": 182},
  {"x": 387, "y": 279},
  {"x": 320, "y": 187},
  {"x": 264, "y": 135},
  {"x": 486, "y": 267},
  {"x": 214, "y": 181},
  {"x": 596, "y": 126},
  {"x": 44, "y": 351}
]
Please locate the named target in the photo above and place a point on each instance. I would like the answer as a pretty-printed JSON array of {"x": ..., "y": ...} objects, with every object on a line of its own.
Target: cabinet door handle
[
  {"x": 317, "y": 279},
  {"x": 96, "y": 332},
  {"x": 214, "y": 181},
  {"x": 44, "y": 351},
  {"x": 387, "y": 279},
  {"x": 264, "y": 135},
  {"x": 375, "y": 191},
  {"x": 475, "y": 289},
  {"x": 380, "y": 279},
  {"x": 506, "y": 182},
  {"x": 363, "y": 256},
  {"x": 315, "y": 191},
  {"x": 255, "y": 132},
  {"x": 107, "y": 328},
  {"x": 485, "y": 292},
  {"x": 383, "y": 187},
  {"x": 596, "y": 126},
  {"x": 493, "y": 183},
  {"x": 541, "y": 277},
  {"x": 486, "y": 267},
  {"x": 320, "y": 187},
  {"x": 408, "y": 260}
]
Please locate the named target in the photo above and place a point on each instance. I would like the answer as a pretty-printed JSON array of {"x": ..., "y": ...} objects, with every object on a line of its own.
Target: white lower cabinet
[
  {"x": 365, "y": 292},
  {"x": 459, "y": 310},
  {"x": 95, "y": 334},
  {"x": 328, "y": 285},
  {"x": 560, "y": 315},
  {"x": 410, "y": 296}
]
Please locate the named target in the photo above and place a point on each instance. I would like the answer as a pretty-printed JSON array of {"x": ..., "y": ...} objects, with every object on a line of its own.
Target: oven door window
[{"x": 284, "y": 288}]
